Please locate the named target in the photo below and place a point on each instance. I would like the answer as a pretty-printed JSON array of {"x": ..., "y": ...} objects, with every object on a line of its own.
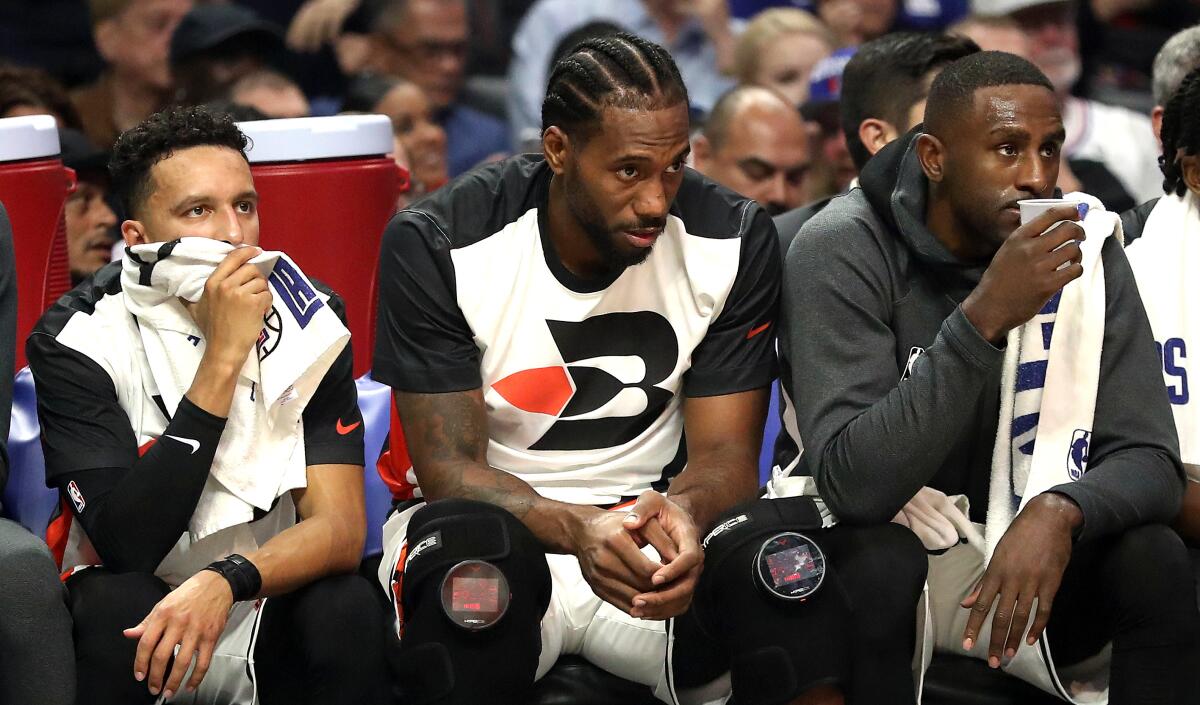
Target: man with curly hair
[{"x": 135, "y": 444}]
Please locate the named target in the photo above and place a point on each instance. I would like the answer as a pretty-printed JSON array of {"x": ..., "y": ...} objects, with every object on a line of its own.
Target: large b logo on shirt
[{"x": 577, "y": 390}]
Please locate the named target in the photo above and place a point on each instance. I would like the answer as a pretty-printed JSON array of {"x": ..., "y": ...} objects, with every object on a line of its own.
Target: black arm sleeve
[
  {"x": 333, "y": 424},
  {"x": 1134, "y": 475},
  {"x": 423, "y": 342},
  {"x": 737, "y": 353},
  {"x": 8, "y": 336},
  {"x": 133, "y": 509},
  {"x": 869, "y": 442}
]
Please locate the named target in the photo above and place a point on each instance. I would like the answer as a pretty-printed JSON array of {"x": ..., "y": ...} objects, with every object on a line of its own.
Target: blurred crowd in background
[{"x": 462, "y": 80}]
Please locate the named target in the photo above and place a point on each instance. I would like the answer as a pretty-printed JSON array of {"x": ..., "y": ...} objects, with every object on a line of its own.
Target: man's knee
[
  {"x": 1149, "y": 573},
  {"x": 443, "y": 657},
  {"x": 339, "y": 618},
  {"x": 781, "y": 619},
  {"x": 883, "y": 569},
  {"x": 28, "y": 581},
  {"x": 103, "y": 604}
]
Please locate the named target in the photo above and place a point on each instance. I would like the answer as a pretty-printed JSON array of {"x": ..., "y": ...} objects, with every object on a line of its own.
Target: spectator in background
[
  {"x": 857, "y": 21},
  {"x": 833, "y": 169},
  {"x": 31, "y": 91},
  {"x": 993, "y": 33},
  {"x": 883, "y": 93},
  {"x": 35, "y": 628},
  {"x": 133, "y": 37},
  {"x": 755, "y": 144},
  {"x": 270, "y": 92},
  {"x": 699, "y": 36},
  {"x": 1111, "y": 150},
  {"x": 91, "y": 223},
  {"x": 1177, "y": 58},
  {"x": 420, "y": 140},
  {"x": 426, "y": 42},
  {"x": 779, "y": 49},
  {"x": 217, "y": 45}
]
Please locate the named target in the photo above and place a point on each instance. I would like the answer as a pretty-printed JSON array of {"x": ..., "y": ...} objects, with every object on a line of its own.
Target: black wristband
[{"x": 244, "y": 579}]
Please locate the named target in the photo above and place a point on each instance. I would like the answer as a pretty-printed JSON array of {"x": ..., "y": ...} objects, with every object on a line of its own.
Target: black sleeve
[
  {"x": 333, "y": 428},
  {"x": 423, "y": 343},
  {"x": 133, "y": 509},
  {"x": 870, "y": 442},
  {"x": 737, "y": 353},
  {"x": 1134, "y": 476},
  {"x": 8, "y": 336}
]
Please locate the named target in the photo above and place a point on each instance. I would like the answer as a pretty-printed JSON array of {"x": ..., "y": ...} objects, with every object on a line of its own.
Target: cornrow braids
[
  {"x": 616, "y": 70},
  {"x": 1180, "y": 131}
]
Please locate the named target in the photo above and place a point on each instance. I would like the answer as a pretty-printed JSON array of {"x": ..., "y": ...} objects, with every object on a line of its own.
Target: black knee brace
[
  {"x": 774, "y": 647},
  {"x": 443, "y": 659}
]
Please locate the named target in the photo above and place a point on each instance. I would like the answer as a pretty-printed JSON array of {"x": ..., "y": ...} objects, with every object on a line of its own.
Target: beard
[{"x": 603, "y": 237}]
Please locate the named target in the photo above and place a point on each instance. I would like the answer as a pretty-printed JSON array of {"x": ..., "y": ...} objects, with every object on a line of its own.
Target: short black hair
[
  {"x": 1180, "y": 131},
  {"x": 953, "y": 91},
  {"x": 618, "y": 70},
  {"x": 886, "y": 77},
  {"x": 139, "y": 148}
]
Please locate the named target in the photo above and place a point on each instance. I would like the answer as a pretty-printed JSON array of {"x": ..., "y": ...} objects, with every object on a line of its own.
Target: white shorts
[
  {"x": 230, "y": 679},
  {"x": 580, "y": 623},
  {"x": 952, "y": 577}
]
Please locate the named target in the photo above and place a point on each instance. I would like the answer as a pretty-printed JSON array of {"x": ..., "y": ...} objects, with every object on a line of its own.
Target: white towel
[
  {"x": 1165, "y": 260},
  {"x": 1048, "y": 386},
  {"x": 261, "y": 452}
]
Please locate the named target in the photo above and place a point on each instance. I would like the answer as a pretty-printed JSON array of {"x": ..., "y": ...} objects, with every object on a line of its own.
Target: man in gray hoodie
[{"x": 897, "y": 302}]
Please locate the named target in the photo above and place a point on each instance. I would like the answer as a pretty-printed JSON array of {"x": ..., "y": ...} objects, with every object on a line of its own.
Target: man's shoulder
[
  {"x": 711, "y": 210},
  {"x": 476, "y": 205},
  {"x": 103, "y": 286},
  {"x": 1133, "y": 221},
  {"x": 847, "y": 221},
  {"x": 1106, "y": 115}
]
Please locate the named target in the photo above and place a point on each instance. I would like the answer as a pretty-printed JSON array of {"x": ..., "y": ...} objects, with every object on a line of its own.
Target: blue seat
[
  {"x": 27, "y": 500},
  {"x": 374, "y": 401}
]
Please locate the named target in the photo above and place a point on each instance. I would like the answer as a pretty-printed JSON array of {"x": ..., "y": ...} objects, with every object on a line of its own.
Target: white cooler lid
[
  {"x": 300, "y": 139},
  {"x": 28, "y": 137}
]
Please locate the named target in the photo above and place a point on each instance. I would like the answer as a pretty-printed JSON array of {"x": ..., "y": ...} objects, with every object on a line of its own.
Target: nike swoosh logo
[
  {"x": 343, "y": 430},
  {"x": 758, "y": 330},
  {"x": 194, "y": 445}
]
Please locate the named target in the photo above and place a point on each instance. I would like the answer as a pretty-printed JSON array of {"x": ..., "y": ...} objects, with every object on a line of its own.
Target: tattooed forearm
[{"x": 447, "y": 440}]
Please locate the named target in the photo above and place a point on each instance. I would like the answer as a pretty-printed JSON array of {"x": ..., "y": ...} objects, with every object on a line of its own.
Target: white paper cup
[{"x": 1033, "y": 207}]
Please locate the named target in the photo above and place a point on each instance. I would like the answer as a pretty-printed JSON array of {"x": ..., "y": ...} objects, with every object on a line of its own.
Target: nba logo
[{"x": 1077, "y": 457}]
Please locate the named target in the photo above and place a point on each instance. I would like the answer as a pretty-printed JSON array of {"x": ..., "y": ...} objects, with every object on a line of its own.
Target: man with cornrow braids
[
  {"x": 581, "y": 344},
  {"x": 1164, "y": 260}
]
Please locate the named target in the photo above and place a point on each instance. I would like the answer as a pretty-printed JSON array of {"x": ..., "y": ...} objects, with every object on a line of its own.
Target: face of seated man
[
  {"x": 90, "y": 224},
  {"x": 204, "y": 191},
  {"x": 757, "y": 146},
  {"x": 1005, "y": 146}
]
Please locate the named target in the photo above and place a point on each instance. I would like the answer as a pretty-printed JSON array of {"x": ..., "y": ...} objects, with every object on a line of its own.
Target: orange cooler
[{"x": 33, "y": 188}]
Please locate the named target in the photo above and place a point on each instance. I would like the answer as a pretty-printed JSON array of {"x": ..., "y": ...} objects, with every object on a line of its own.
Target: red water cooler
[
  {"x": 327, "y": 189},
  {"x": 33, "y": 188}
]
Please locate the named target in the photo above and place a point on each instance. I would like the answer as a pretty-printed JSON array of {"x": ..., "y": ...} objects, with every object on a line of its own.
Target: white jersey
[{"x": 582, "y": 380}]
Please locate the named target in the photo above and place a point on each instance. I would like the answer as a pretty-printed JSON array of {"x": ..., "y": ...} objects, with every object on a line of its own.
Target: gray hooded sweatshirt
[{"x": 871, "y": 296}]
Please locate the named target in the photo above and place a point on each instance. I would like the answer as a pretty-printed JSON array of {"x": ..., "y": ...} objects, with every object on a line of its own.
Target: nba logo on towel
[
  {"x": 295, "y": 291},
  {"x": 1077, "y": 457}
]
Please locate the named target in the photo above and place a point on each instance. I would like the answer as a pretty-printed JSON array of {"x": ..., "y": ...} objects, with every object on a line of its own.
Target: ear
[
  {"x": 875, "y": 134},
  {"x": 106, "y": 36},
  {"x": 932, "y": 155},
  {"x": 1189, "y": 167},
  {"x": 1156, "y": 117},
  {"x": 134, "y": 233},
  {"x": 556, "y": 145}
]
